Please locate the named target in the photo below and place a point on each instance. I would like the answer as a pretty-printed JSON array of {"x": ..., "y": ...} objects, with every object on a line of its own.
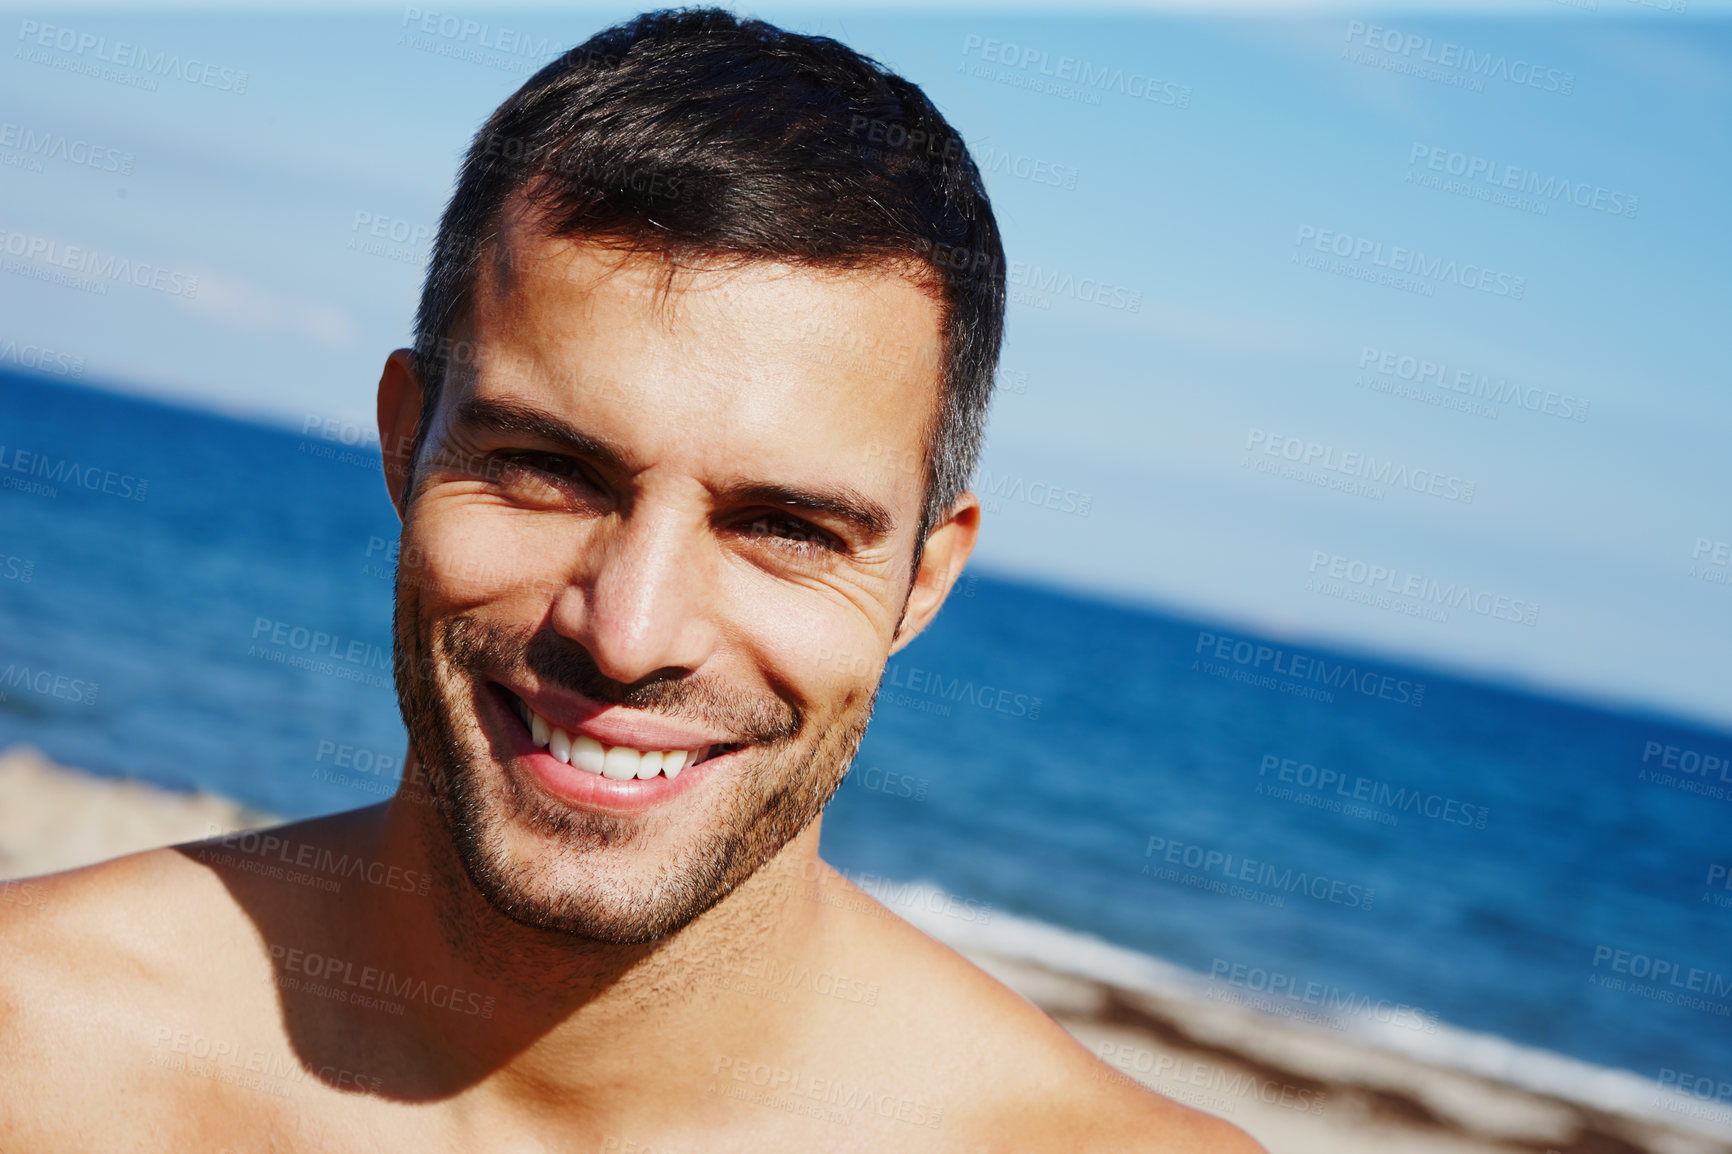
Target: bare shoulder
[
  {"x": 1004, "y": 1075},
  {"x": 84, "y": 967},
  {"x": 103, "y": 970},
  {"x": 1112, "y": 1113},
  {"x": 101, "y": 926}
]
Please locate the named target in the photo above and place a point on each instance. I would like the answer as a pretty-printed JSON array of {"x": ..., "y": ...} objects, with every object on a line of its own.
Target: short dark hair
[{"x": 697, "y": 135}]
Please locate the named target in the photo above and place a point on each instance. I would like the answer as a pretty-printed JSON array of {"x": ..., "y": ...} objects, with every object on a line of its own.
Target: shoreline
[
  {"x": 55, "y": 818},
  {"x": 1298, "y": 1094},
  {"x": 1306, "y": 1083}
]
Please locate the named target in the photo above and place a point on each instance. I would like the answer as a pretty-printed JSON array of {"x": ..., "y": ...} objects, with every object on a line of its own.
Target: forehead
[{"x": 772, "y": 358}]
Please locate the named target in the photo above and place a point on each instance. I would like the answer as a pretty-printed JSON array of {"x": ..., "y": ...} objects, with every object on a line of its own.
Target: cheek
[
  {"x": 825, "y": 648},
  {"x": 461, "y": 554}
]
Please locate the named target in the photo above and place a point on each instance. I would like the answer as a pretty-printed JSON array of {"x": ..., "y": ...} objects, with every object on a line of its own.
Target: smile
[{"x": 614, "y": 762}]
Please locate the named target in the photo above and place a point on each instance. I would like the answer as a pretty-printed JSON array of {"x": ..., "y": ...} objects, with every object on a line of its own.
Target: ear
[
  {"x": 399, "y": 418},
  {"x": 947, "y": 550}
]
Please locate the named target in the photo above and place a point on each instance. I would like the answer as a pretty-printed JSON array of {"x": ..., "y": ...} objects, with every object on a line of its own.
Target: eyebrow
[
  {"x": 869, "y": 517},
  {"x": 527, "y": 420}
]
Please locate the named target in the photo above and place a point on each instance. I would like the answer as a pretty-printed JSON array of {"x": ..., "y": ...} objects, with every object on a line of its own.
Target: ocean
[{"x": 205, "y": 603}]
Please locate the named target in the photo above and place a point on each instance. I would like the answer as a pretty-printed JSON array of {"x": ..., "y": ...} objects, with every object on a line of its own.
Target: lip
[
  {"x": 572, "y": 786},
  {"x": 612, "y": 725}
]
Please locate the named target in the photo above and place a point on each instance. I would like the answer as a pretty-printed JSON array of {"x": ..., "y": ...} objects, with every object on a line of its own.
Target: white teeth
[
  {"x": 587, "y": 754},
  {"x": 617, "y": 763},
  {"x": 621, "y": 763}
]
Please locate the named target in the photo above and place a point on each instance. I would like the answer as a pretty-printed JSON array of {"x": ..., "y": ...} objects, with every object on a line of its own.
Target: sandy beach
[{"x": 1300, "y": 1083}]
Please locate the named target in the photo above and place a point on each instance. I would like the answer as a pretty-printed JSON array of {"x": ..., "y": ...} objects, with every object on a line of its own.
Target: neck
[{"x": 528, "y": 1011}]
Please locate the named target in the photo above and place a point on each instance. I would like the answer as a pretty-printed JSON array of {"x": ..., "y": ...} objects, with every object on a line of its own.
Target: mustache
[{"x": 481, "y": 647}]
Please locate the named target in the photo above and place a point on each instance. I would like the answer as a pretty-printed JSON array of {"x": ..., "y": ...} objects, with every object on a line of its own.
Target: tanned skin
[{"x": 712, "y": 511}]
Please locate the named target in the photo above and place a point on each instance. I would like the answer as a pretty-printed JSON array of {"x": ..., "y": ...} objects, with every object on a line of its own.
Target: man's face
[{"x": 675, "y": 523}]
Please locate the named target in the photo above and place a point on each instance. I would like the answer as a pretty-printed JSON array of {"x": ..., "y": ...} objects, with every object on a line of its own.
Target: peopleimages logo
[
  {"x": 47, "y": 145},
  {"x": 478, "y": 33},
  {"x": 1074, "y": 77},
  {"x": 342, "y": 978},
  {"x": 19, "y": 569},
  {"x": 961, "y": 690},
  {"x": 1371, "y": 791},
  {"x": 317, "y": 651},
  {"x": 1206, "y": 1086},
  {"x": 1687, "y": 761},
  {"x": 1423, "y": 55},
  {"x": 1717, "y": 554},
  {"x": 391, "y": 237},
  {"x": 475, "y": 41},
  {"x": 81, "y": 261},
  {"x": 1409, "y": 262},
  {"x": 1702, "y": 1087},
  {"x": 1263, "y": 875},
  {"x": 1040, "y": 494},
  {"x": 1472, "y": 384},
  {"x": 268, "y": 854},
  {"x": 1662, "y": 980},
  {"x": 61, "y": 471},
  {"x": 1501, "y": 176},
  {"x": 47, "y": 683},
  {"x": 1087, "y": 290},
  {"x": 1253, "y": 658},
  {"x": 1331, "y": 1000},
  {"x": 87, "y": 46},
  {"x": 1354, "y": 467},
  {"x": 1034, "y": 169},
  {"x": 43, "y": 360},
  {"x": 320, "y": 643},
  {"x": 1372, "y": 577}
]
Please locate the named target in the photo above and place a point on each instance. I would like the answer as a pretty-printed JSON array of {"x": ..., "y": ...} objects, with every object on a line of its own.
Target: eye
[
  {"x": 517, "y": 468},
  {"x": 793, "y": 533},
  {"x": 550, "y": 463}
]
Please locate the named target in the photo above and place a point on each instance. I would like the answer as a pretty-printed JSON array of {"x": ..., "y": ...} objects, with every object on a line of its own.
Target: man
[{"x": 681, "y": 451}]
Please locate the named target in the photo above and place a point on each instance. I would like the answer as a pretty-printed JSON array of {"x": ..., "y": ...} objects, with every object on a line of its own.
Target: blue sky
[{"x": 1271, "y": 186}]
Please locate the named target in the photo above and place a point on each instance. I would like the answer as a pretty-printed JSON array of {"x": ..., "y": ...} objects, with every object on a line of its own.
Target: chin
[
  {"x": 609, "y": 861},
  {"x": 600, "y": 876}
]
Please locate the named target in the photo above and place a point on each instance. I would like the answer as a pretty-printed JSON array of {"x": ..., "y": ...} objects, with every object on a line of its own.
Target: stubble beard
[{"x": 785, "y": 779}]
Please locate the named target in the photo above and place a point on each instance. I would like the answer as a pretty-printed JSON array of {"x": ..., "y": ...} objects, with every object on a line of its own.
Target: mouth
[{"x": 614, "y": 762}]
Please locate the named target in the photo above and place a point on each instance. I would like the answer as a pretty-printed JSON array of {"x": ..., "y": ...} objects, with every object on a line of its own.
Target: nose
[{"x": 640, "y": 602}]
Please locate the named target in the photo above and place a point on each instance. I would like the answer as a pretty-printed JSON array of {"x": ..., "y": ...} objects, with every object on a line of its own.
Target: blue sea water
[{"x": 1035, "y": 752}]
